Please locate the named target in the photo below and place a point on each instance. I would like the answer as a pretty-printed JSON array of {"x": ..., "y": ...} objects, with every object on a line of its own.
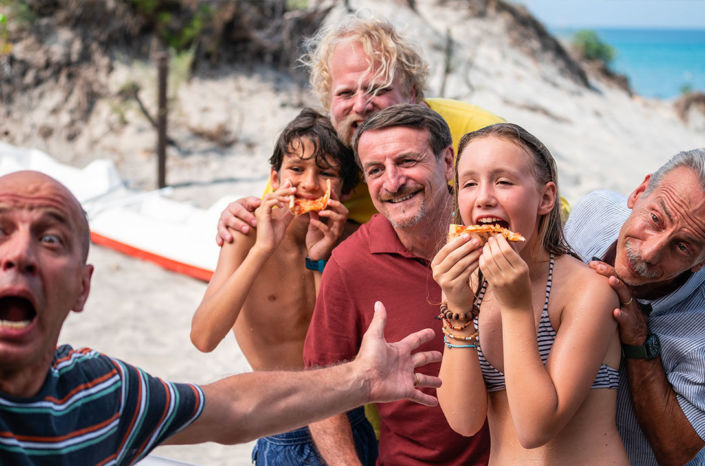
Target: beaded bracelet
[
  {"x": 447, "y": 324},
  {"x": 451, "y": 345},
  {"x": 450, "y": 315},
  {"x": 473, "y": 336}
]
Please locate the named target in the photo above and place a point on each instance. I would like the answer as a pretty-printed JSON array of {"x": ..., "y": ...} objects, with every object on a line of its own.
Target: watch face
[{"x": 653, "y": 346}]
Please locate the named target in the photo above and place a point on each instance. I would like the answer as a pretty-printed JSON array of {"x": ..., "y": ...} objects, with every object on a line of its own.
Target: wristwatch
[
  {"x": 316, "y": 265},
  {"x": 649, "y": 350}
]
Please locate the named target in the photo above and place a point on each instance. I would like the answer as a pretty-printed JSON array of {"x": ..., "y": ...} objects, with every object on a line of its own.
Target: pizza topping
[
  {"x": 299, "y": 206},
  {"x": 483, "y": 231}
]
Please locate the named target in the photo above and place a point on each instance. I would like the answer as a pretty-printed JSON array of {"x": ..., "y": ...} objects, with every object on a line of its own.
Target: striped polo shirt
[
  {"x": 93, "y": 409},
  {"x": 678, "y": 319}
]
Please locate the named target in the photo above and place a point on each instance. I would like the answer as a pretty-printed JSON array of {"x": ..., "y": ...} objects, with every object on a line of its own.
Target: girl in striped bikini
[{"x": 531, "y": 345}]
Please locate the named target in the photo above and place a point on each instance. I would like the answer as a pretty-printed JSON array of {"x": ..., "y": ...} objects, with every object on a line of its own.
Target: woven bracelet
[
  {"x": 473, "y": 336},
  {"x": 451, "y": 345}
]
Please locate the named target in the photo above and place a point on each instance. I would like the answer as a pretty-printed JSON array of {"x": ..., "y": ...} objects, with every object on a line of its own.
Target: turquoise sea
[{"x": 658, "y": 62}]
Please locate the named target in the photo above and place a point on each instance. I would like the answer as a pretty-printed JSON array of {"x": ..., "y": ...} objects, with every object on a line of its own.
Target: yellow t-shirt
[{"x": 462, "y": 118}]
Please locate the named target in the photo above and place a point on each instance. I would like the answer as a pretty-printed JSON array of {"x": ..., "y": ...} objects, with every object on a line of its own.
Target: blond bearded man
[{"x": 357, "y": 68}]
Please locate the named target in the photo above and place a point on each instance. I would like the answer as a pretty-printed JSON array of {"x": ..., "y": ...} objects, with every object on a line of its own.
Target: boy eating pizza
[{"x": 263, "y": 287}]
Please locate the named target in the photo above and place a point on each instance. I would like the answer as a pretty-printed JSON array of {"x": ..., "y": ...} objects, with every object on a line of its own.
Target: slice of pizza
[
  {"x": 299, "y": 206},
  {"x": 483, "y": 231}
]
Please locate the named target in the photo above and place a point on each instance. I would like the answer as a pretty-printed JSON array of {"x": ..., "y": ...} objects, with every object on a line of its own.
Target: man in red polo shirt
[{"x": 406, "y": 155}]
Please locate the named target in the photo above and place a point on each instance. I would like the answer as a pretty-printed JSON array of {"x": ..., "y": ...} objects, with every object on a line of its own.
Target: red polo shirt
[{"x": 372, "y": 265}]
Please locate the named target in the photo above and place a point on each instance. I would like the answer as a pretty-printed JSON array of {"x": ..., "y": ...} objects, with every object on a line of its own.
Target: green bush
[
  {"x": 686, "y": 88},
  {"x": 589, "y": 44}
]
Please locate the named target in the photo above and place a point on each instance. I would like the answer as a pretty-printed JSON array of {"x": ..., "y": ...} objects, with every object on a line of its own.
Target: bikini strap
[
  {"x": 549, "y": 282},
  {"x": 481, "y": 293}
]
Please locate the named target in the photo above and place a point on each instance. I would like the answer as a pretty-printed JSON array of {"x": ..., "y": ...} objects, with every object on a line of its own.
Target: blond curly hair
[{"x": 381, "y": 42}]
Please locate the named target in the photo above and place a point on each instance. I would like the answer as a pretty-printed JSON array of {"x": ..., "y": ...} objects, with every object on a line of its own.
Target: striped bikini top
[{"x": 607, "y": 377}]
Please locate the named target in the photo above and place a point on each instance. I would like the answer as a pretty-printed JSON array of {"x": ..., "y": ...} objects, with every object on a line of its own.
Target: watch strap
[
  {"x": 649, "y": 350},
  {"x": 635, "y": 351},
  {"x": 317, "y": 265}
]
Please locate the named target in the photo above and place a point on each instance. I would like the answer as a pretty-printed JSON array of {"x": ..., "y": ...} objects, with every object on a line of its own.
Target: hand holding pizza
[
  {"x": 507, "y": 273},
  {"x": 325, "y": 228},
  {"x": 272, "y": 224},
  {"x": 452, "y": 268}
]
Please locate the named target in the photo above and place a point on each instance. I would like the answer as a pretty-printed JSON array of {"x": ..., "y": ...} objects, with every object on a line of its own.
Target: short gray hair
[
  {"x": 693, "y": 159},
  {"x": 414, "y": 116}
]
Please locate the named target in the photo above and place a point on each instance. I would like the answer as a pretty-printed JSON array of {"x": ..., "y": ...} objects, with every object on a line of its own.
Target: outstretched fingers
[
  {"x": 394, "y": 364},
  {"x": 413, "y": 341},
  {"x": 420, "y": 397},
  {"x": 379, "y": 320}
]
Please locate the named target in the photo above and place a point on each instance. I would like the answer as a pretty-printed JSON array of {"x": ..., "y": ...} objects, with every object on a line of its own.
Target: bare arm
[
  {"x": 586, "y": 333},
  {"x": 660, "y": 416},
  {"x": 238, "y": 266},
  {"x": 670, "y": 434},
  {"x": 239, "y": 216},
  {"x": 248, "y": 406},
  {"x": 226, "y": 293},
  {"x": 463, "y": 396},
  {"x": 334, "y": 440}
]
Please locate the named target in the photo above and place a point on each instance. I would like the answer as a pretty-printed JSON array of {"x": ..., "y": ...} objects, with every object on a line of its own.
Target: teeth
[
  {"x": 490, "y": 220},
  {"x": 15, "y": 325},
  {"x": 401, "y": 199}
]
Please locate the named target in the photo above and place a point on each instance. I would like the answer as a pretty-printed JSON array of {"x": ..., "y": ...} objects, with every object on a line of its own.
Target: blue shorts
[{"x": 297, "y": 448}]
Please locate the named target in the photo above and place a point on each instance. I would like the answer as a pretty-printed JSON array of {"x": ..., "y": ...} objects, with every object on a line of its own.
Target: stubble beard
[
  {"x": 413, "y": 221},
  {"x": 638, "y": 265}
]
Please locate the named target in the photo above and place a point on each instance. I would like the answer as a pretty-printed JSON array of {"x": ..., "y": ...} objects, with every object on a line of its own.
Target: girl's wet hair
[
  {"x": 543, "y": 167},
  {"x": 328, "y": 151}
]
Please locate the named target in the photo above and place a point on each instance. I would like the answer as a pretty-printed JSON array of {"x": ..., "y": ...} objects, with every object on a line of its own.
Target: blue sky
[{"x": 619, "y": 13}]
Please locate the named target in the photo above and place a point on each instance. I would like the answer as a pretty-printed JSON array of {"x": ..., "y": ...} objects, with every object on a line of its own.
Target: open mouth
[
  {"x": 492, "y": 221},
  {"x": 16, "y": 312}
]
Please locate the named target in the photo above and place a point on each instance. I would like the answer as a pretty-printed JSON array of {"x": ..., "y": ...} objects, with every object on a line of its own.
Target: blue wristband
[{"x": 315, "y": 265}]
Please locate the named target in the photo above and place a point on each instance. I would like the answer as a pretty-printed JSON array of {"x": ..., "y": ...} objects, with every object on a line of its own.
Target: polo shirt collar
[{"x": 384, "y": 240}]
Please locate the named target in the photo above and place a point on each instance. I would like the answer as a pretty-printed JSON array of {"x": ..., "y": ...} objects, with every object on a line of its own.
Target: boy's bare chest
[{"x": 284, "y": 288}]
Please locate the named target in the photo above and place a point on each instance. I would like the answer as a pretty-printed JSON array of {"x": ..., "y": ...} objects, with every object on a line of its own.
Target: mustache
[
  {"x": 640, "y": 267},
  {"x": 347, "y": 126}
]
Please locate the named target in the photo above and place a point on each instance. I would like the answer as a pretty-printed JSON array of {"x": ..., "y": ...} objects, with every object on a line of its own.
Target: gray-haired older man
[{"x": 654, "y": 256}]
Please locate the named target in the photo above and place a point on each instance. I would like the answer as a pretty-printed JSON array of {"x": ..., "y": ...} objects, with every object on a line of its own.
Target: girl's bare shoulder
[{"x": 579, "y": 280}]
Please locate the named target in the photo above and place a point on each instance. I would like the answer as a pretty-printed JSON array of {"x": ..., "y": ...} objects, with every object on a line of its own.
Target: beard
[
  {"x": 346, "y": 127},
  {"x": 410, "y": 222},
  {"x": 345, "y": 130},
  {"x": 639, "y": 266},
  {"x": 402, "y": 221}
]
